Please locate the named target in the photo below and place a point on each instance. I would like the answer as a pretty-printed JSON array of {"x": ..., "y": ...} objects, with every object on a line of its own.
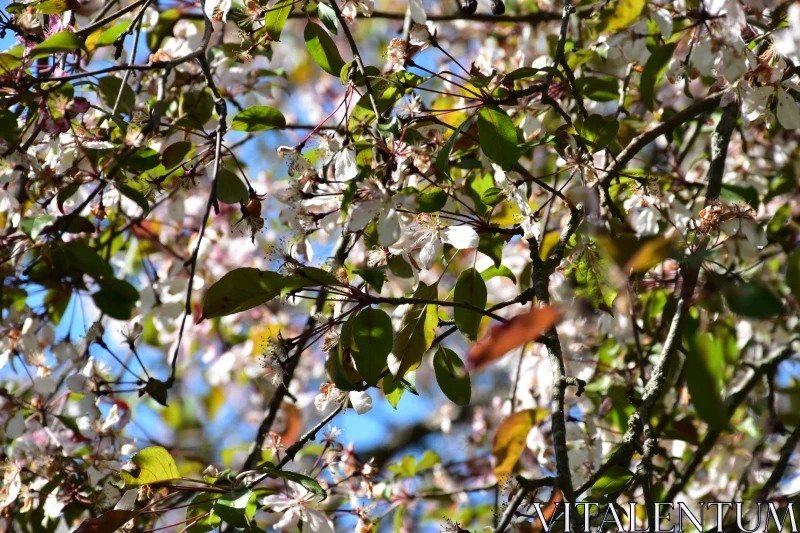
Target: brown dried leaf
[
  {"x": 514, "y": 333},
  {"x": 108, "y": 522}
]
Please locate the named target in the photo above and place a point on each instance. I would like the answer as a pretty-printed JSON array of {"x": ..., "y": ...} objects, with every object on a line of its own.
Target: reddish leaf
[
  {"x": 514, "y": 333},
  {"x": 107, "y": 522},
  {"x": 550, "y": 509}
]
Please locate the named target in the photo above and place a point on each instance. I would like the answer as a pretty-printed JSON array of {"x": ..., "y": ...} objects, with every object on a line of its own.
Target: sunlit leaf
[
  {"x": 276, "y": 18},
  {"x": 323, "y": 49},
  {"x": 622, "y": 14},
  {"x": 63, "y": 41},
  {"x": 590, "y": 273},
  {"x": 416, "y": 332},
  {"x": 149, "y": 465},
  {"x": 509, "y": 441},
  {"x": 501, "y": 271},
  {"x": 110, "y": 35}
]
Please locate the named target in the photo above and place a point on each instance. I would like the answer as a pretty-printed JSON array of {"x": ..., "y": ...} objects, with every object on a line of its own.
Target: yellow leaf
[
  {"x": 649, "y": 255},
  {"x": 509, "y": 442},
  {"x": 624, "y": 13},
  {"x": 214, "y": 400}
]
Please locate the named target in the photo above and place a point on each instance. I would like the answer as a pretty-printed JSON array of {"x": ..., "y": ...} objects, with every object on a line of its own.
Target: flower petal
[
  {"x": 461, "y": 237},
  {"x": 362, "y": 402}
]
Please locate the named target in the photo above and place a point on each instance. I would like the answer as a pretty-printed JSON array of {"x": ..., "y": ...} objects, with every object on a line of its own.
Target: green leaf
[
  {"x": 529, "y": 72},
  {"x": 654, "y": 71},
  {"x": 493, "y": 196},
  {"x": 793, "y": 274},
  {"x": 374, "y": 276},
  {"x": 109, "y": 90},
  {"x": 417, "y": 331},
  {"x": 177, "y": 153},
  {"x": 236, "y": 508},
  {"x": 323, "y": 50},
  {"x": 133, "y": 194},
  {"x": 201, "y": 504},
  {"x": 327, "y": 16},
  {"x": 498, "y": 136},
  {"x": 432, "y": 200},
  {"x": 117, "y": 298},
  {"x": 53, "y": 7},
  {"x": 144, "y": 159},
  {"x": 78, "y": 224},
  {"x": 150, "y": 465},
  {"x": 388, "y": 89},
  {"x": 230, "y": 188},
  {"x": 371, "y": 342},
  {"x": 752, "y": 299},
  {"x": 442, "y": 161},
  {"x": 86, "y": 259},
  {"x": 470, "y": 289},
  {"x": 501, "y": 271},
  {"x": 33, "y": 226},
  {"x": 492, "y": 246},
  {"x": 392, "y": 389},
  {"x": 157, "y": 390},
  {"x": 241, "y": 289},
  {"x": 705, "y": 366},
  {"x": 599, "y": 89},
  {"x": 63, "y": 41},
  {"x": 339, "y": 366},
  {"x": 428, "y": 460},
  {"x": 590, "y": 274},
  {"x": 308, "y": 483},
  {"x": 599, "y": 131},
  {"x": 276, "y": 18},
  {"x": 258, "y": 118},
  {"x": 737, "y": 193},
  {"x": 197, "y": 105},
  {"x": 308, "y": 277},
  {"x": 400, "y": 267},
  {"x": 410, "y": 467},
  {"x": 108, "y": 37},
  {"x": 452, "y": 376},
  {"x": 614, "y": 480},
  {"x": 9, "y": 62}
]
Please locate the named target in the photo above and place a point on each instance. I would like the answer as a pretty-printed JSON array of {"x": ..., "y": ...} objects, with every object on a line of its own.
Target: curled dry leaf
[
  {"x": 107, "y": 522},
  {"x": 514, "y": 333}
]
